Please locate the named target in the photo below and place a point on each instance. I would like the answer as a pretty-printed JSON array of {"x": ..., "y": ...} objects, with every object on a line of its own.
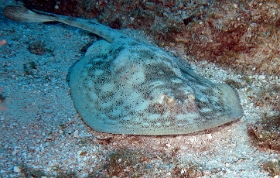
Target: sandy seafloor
[{"x": 41, "y": 130}]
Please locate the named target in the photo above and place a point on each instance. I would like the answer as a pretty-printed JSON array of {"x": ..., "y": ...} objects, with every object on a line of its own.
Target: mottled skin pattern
[{"x": 124, "y": 86}]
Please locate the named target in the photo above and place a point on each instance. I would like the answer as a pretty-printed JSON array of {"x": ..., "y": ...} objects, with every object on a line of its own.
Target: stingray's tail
[{"x": 21, "y": 14}]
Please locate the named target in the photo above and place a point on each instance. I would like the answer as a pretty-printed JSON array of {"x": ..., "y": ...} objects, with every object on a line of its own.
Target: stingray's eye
[{"x": 177, "y": 80}]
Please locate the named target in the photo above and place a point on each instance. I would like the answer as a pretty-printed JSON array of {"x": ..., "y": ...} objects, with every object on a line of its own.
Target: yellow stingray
[{"x": 124, "y": 86}]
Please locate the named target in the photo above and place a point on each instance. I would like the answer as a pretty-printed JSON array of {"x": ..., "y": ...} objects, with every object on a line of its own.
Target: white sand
[{"x": 41, "y": 129}]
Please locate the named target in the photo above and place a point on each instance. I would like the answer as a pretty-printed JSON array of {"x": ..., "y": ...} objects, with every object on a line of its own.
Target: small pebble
[
  {"x": 209, "y": 136},
  {"x": 17, "y": 169},
  {"x": 60, "y": 131},
  {"x": 76, "y": 133}
]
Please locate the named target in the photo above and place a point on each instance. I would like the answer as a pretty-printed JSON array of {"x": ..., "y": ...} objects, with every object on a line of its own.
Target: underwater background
[{"x": 234, "y": 42}]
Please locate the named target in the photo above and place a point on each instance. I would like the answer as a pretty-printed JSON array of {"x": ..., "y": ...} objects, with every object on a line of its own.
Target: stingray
[{"x": 124, "y": 86}]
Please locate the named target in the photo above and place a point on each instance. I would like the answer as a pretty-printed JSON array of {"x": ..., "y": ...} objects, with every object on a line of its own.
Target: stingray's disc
[{"x": 134, "y": 88}]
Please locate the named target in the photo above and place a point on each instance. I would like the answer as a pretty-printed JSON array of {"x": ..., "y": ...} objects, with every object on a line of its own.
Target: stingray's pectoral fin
[
  {"x": 230, "y": 99},
  {"x": 218, "y": 105},
  {"x": 21, "y": 14}
]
